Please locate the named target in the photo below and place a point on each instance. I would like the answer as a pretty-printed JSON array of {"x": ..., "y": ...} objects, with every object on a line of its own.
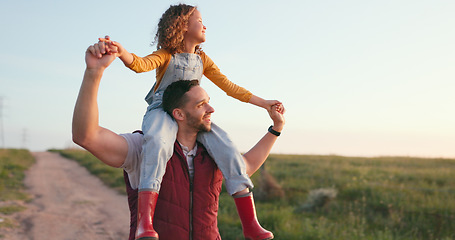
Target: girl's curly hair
[{"x": 170, "y": 33}]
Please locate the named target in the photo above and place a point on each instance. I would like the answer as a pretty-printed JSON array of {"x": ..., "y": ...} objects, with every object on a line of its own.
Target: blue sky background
[{"x": 363, "y": 78}]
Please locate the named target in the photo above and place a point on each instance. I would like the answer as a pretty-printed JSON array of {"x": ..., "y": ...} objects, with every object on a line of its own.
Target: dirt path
[{"x": 69, "y": 203}]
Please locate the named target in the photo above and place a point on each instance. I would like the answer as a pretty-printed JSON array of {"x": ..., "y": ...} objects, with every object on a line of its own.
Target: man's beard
[{"x": 197, "y": 124}]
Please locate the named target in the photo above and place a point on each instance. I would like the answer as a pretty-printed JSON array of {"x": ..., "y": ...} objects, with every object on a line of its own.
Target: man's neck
[{"x": 187, "y": 137}]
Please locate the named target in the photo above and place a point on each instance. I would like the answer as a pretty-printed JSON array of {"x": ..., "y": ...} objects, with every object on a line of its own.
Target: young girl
[{"x": 179, "y": 57}]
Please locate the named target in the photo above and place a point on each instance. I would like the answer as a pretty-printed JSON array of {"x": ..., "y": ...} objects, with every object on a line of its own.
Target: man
[{"x": 188, "y": 199}]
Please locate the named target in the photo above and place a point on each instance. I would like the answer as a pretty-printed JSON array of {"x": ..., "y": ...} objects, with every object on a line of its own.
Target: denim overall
[{"x": 160, "y": 132}]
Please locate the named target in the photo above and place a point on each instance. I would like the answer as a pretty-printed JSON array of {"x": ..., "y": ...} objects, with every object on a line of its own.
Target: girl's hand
[
  {"x": 268, "y": 104},
  {"x": 279, "y": 108},
  {"x": 111, "y": 47}
]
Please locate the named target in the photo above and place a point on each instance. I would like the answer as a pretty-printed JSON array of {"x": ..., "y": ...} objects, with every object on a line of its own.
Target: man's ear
[{"x": 178, "y": 114}]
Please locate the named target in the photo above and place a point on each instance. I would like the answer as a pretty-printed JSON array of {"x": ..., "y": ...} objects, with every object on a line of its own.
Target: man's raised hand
[
  {"x": 96, "y": 58},
  {"x": 276, "y": 114}
]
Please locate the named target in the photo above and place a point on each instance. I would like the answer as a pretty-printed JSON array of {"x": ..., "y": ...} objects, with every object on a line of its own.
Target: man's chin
[{"x": 205, "y": 128}]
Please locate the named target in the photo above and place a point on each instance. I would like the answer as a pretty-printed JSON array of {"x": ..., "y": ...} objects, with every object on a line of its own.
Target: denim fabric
[
  {"x": 160, "y": 132},
  {"x": 227, "y": 158}
]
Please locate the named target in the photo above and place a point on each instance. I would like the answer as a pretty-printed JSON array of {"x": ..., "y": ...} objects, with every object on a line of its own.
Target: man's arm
[
  {"x": 106, "y": 145},
  {"x": 257, "y": 155}
]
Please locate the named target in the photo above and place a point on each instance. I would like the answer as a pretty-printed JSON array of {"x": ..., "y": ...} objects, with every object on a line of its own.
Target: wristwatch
[{"x": 273, "y": 131}]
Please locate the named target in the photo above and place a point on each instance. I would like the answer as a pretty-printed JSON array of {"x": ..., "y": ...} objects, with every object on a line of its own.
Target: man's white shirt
[{"x": 132, "y": 164}]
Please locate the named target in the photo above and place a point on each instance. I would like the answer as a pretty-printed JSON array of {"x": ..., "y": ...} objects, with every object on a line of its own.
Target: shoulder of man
[{"x": 134, "y": 141}]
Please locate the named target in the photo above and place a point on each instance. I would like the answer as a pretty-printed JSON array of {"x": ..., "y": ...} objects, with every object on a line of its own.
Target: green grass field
[
  {"x": 377, "y": 198},
  {"x": 13, "y": 163}
]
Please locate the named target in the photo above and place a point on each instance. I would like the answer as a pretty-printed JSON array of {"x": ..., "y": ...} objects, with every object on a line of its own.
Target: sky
[{"x": 357, "y": 78}]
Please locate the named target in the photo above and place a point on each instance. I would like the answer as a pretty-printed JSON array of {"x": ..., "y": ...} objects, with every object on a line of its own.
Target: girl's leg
[
  {"x": 227, "y": 158},
  {"x": 231, "y": 163},
  {"x": 160, "y": 132},
  {"x": 247, "y": 212}
]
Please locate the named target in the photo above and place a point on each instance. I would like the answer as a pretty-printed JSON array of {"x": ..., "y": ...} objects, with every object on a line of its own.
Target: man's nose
[{"x": 210, "y": 109}]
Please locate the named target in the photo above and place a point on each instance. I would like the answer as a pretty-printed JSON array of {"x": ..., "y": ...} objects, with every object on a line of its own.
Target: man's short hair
[{"x": 174, "y": 95}]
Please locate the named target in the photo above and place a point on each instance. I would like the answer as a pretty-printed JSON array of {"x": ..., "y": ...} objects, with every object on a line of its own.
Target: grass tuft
[{"x": 318, "y": 199}]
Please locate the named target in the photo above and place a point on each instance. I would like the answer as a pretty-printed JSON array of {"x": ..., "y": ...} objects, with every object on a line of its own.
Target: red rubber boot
[
  {"x": 146, "y": 203},
  {"x": 252, "y": 230}
]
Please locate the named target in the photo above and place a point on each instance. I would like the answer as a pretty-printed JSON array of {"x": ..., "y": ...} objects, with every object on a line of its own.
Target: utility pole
[{"x": 2, "y": 136}]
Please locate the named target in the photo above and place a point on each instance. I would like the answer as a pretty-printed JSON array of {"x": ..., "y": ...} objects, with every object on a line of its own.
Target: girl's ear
[
  {"x": 178, "y": 114},
  {"x": 185, "y": 28}
]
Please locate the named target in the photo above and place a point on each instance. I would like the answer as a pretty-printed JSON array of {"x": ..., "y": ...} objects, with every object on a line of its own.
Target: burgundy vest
[{"x": 184, "y": 209}]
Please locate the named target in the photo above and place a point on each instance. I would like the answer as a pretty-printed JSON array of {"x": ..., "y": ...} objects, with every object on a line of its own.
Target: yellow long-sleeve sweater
[{"x": 160, "y": 59}]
